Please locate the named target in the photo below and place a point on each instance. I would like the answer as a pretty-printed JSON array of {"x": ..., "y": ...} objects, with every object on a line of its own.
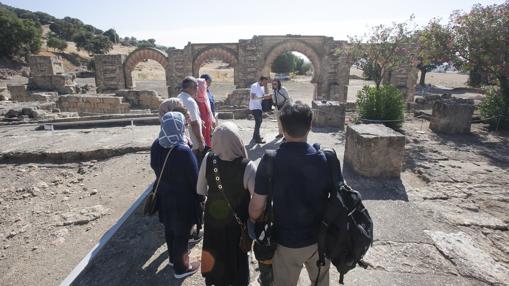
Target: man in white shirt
[
  {"x": 189, "y": 90},
  {"x": 257, "y": 94}
]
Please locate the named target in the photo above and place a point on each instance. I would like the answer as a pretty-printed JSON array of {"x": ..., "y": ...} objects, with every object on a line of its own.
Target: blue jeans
[{"x": 257, "y": 113}]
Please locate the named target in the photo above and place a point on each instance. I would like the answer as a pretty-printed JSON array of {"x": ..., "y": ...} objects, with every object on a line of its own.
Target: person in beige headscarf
[{"x": 223, "y": 261}]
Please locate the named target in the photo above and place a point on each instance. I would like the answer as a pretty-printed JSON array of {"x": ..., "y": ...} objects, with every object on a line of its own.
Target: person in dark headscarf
[{"x": 178, "y": 204}]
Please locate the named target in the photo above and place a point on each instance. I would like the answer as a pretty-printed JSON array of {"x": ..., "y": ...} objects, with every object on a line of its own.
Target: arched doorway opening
[
  {"x": 301, "y": 87},
  {"x": 219, "y": 63},
  {"x": 296, "y": 73},
  {"x": 146, "y": 68},
  {"x": 149, "y": 74}
]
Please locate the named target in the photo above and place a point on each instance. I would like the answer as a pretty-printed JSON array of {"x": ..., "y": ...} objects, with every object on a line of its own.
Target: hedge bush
[{"x": 384, "y": 103}]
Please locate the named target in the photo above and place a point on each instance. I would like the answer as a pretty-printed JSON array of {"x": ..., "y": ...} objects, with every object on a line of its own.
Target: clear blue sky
[{"x": 174, "y": 23}]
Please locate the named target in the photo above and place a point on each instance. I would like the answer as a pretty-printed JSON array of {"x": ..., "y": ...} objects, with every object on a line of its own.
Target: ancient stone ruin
[
  {"x": 452, "y": 116},
  {"x": 374, "y": 150},
  {"x": 250, "y": 59}
]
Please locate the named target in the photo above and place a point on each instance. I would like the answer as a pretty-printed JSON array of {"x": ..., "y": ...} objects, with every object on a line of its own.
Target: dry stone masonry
[
  {"x": 452, "y": 116},
  {"x": 92, "y": 104},
  {"x": 328, "y": 114},
  {"x": 47, "y": 74},
  {"x": 110, "y": 72},
  {"x": 374, "y": 150},
  {"x": 146, "y": 99}
]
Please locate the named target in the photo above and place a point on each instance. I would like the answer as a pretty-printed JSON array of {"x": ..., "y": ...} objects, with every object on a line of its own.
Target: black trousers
[
  {"x": 258, "y": 123},
  {"x": 177, "y": 249}
]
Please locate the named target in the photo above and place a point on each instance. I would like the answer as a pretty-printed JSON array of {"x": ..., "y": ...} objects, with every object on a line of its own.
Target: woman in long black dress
[
  {"x": 177, "y": 200},
  {"x": 223, "y": 261}
]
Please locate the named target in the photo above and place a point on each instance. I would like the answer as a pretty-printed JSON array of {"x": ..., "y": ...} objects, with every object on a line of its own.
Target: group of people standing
[
  {"x": 234, "y": 191},
  {"x": 279, "y": 98}
]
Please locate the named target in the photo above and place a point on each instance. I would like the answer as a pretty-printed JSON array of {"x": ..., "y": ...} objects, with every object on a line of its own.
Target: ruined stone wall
[
  {"x": 180, "y": 65},
  {"x": 45, "y": 65},
  {"x": 145, "y": 99},
  {"x": 92, "y": 104},
  {"x": 405, "y": 79},
  {"x": 47, "y": 74},
  {"x": 109, "y": 73}
]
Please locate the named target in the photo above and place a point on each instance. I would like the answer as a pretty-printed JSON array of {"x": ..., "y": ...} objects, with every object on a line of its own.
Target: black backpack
[{"x": 346, "y": 232}]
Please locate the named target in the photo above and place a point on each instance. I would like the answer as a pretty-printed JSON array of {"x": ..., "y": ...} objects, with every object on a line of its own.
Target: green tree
[
  {"x": 385, "y": 48},
  {"x": 284, "y": 63},
  {"x": 434, "y": 47},
  {"x": 150, "y": 43},
  {"x": 112, "y": 35},
  {"x": 94, "y": 44},
  {"x": 56, "y": 43},
  {"x": 481, "y": 44},
  {"x": 18, "y": 37}
]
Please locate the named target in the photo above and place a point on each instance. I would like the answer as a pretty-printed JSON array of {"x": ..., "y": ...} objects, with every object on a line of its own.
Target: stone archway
[
  {"x": 140, "y": 55},
  {"x": 225, "y": 54},
  {"x": 297, "y": 46}
]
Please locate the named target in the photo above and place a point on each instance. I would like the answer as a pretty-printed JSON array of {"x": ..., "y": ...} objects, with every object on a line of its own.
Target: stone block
[
  {"x": 45, "y": 65},
  {"x": 4, "y": 94},
  {"x": 109, "y": 72},
  {"x": 374, "y": 150},
  {"x": 225, "y": 115},
  {"x": 238, "y": 97},
  {"x": 328, "y": 114},
  {"x": 452, "y": 116},
  {"x": 18, "y": 92},
  {"x": 146, "y": 99},
  {"x": 92, "y": 104}
]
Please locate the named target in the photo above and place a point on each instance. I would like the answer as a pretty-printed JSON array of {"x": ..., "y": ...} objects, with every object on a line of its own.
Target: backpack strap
[
  {"x": 270, "y": 156},
  {"x": 337, "y": 178}
]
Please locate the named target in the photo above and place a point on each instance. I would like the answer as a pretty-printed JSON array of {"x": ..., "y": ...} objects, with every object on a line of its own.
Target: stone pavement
[{"x": 443, "y": 223}]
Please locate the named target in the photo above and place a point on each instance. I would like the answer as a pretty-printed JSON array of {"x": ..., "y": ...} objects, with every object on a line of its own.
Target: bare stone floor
[{"x": 443, "y": 223}]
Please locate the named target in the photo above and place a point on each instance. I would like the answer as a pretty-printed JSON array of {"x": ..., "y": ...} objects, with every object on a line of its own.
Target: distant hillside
[{"x": 76, "y": 41}]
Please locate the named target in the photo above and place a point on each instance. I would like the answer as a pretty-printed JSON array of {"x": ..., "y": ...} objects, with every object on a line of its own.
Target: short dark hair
[
  {"x": 296, "y": 119},
  {"x": 206, "y": 77},
  {"x": 263, "y": 78},
  {"x": 188, "y": 82}
]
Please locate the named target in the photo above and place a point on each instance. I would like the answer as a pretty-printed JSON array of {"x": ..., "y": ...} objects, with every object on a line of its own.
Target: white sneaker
[{"x": 193, "y": 268}]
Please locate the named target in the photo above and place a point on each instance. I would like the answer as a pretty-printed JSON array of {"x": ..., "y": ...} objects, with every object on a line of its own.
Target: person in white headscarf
[
  {"x": 223, "y": 260},
  {"x": 176, "y": 170}
]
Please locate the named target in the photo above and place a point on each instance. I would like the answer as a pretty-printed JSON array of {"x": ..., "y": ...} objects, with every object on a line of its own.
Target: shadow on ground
[
  {"x": 136, "y": 255},
  {"x": 375, "y": 188}
]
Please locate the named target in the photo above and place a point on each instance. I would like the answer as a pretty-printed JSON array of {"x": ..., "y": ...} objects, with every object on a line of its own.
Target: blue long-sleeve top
[{"x": 176, "y": 197}]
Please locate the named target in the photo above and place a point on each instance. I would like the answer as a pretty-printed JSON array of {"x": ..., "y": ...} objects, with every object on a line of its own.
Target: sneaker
[
  {"x": 195, "y": 237},
  {"x": 193, "y": 268}
]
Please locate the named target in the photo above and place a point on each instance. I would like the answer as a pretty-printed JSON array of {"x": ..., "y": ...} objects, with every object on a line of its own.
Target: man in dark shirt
[{"x": 301, "y": 183}]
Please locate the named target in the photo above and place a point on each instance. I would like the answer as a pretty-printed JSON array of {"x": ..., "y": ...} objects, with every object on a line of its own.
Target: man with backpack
[{"x": 299, "y": 185}]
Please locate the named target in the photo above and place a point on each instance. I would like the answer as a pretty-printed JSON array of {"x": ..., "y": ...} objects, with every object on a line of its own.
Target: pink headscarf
[{"x": 202, "y": 97}]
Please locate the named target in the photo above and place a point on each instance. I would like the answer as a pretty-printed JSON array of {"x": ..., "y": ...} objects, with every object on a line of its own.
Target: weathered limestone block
[
  {"x": 328, "y": 114},
  {"x": 92, "y": 104},
  {"x": 63, "y": 83},
  {"x": 374, "y": 150},
  {"x": 238, "y": 97},
  {"x": 45, "y": 65},
  {"x": 4, "y": 94},
  {"x": 148, "y": 99},
  {"x": 109, "y": 72},
  {"x": 452, "y": 116},
  {"x": 43, "y": 96},
  {"x": 18, "y": 92}
]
